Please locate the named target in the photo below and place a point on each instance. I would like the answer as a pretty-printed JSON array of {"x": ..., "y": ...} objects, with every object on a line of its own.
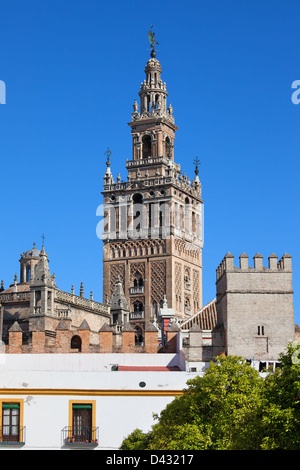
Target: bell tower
[{"x": 152, "y": 237}]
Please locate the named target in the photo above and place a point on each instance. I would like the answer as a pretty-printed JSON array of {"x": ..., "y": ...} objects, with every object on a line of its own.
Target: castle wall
[{"x": 255, "y": 306}]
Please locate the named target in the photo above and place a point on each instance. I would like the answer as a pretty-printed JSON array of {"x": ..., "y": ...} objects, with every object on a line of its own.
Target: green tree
[
  {"x": 219, "y": 410},
  {"x": 281, "y": 414},
  {"x": 137, "y": 440},
  {"x": 232, "y": 407}
]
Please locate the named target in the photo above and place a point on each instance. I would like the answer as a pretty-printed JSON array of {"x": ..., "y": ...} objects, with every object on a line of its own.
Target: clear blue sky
[{"x": 72, "y": 70}]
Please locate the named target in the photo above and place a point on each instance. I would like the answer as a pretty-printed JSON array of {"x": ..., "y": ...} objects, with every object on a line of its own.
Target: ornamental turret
[{"x": 153, "y": 95}]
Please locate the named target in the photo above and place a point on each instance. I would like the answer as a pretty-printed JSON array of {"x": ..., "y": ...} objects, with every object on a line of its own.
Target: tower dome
[
  {"x": 33, "y": 253},
  {"x": 28, "y": 262}
]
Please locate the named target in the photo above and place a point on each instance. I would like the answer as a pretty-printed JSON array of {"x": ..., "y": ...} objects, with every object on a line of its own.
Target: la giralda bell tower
[{"x": 152, "y": 234}]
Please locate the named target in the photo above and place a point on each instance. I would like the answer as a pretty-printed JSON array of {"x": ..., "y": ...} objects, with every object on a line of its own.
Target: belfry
[{"x": 152, "y": 238}]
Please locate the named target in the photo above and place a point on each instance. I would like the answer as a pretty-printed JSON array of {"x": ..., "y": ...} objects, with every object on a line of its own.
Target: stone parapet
[{"x": 227, "y": 264}]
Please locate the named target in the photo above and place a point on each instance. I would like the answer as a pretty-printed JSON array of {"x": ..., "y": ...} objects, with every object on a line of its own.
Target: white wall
[{"x": 47, "y": 382}]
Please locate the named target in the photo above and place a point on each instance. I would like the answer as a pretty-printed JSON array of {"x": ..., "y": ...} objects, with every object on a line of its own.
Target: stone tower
[
  {"x": 42, "y": 295},
  {"x": 28, "y": 261},
  {"x": 153, "y": 221},
  {"x": 255, "y": 306}
]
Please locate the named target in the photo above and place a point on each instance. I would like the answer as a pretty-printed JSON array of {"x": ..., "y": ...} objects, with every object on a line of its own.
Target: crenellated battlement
[{"x": 227, "y": 264}]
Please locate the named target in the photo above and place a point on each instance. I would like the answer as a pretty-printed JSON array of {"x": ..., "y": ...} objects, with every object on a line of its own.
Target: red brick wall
[
  {"x": 151, "y": 344},
  {"x": 15, "y": 342},
  {"x": 105, "y": 340}
]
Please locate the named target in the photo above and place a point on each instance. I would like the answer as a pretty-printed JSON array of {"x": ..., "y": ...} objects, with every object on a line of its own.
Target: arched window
[
  {"x": 168, "y": 146},
  {"x": 76, "y": 343},
  {"x": 138, "y": 280},
  {"x": 138, "y": 306},
  {"x": 146, "y": 146},
  {"x": 187, "y": 216},
  {"x": 137, "y": 211}
]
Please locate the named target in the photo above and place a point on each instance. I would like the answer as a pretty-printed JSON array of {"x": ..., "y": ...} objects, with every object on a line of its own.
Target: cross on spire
[
  {"x": 196, "y": 162},
  {"x": 108, "y": 154},
  {"x": 43, "y": 238}
]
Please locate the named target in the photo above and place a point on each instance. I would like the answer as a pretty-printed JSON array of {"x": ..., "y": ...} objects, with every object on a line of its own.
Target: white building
[{"x": 68, "y": 401}]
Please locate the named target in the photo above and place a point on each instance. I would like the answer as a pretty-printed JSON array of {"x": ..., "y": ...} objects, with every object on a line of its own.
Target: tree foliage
[{"x": 230, "y": 407}]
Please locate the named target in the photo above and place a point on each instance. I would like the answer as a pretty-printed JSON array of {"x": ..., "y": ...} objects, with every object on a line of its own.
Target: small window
[
  {"x": 262, "y": 366},
  {"x": 12, "y": 431},
  {"x": 260, "y": 330}
]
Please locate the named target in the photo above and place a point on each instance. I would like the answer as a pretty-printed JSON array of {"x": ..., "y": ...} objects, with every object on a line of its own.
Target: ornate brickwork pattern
[
  {"x": 158, "y": 281},
  {"x": 132, "y": 248},
  {"x": 178, "y": 279},
  {"x": 116, "y": 271},
  {"x": 178, "y": 285},
  {"x": 196, "y": 289},
  {"x": 135, "y": 300},
  {"x": 187, "y": 250}
]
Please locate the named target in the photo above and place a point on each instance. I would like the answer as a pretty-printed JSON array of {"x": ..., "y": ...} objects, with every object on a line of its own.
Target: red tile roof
[{"x": 206, "y": 318}]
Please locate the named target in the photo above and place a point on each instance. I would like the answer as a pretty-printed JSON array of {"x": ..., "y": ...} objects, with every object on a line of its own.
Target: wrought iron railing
[
  {"x": 136, "y": 315},
  {"x": 136, "y": 290},
  {"x": 12, "y": 435},
  {"x": 80, "y": 435}
]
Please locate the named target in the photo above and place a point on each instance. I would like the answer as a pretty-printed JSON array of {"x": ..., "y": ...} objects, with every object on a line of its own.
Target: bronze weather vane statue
[{"x": 151, "y": 39}]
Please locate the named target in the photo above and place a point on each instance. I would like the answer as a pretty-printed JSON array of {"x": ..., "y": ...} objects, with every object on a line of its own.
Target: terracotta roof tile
[{"x": 206, "y": 318}]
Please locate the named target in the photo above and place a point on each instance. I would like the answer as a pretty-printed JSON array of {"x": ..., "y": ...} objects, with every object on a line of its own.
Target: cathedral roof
[{"x": 20, "y": 288}]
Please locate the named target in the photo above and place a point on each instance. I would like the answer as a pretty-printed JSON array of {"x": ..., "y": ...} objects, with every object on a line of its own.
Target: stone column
[{"x": 160, "y": 144}]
